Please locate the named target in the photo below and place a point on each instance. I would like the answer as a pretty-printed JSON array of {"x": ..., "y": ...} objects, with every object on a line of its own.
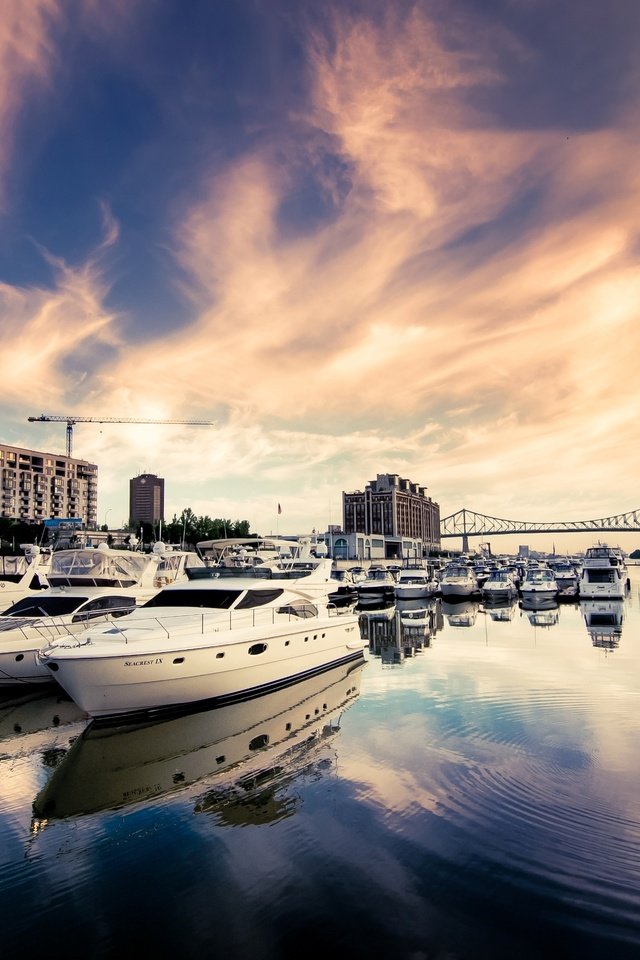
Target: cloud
[
  {"x": 27, "y": 58},
  {"x": 54, "y": 337},
  {"x": 448, "y": 297}
]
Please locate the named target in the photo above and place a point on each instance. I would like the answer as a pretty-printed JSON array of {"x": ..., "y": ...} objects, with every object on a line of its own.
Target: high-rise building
[
  {"x": 394, "y": 509},
  {"x": 43, "y": 486},
  {"x": 146, "y": 498}
]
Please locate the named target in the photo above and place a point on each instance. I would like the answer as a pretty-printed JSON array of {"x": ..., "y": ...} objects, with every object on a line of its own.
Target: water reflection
[
  {"x": 540, "y": 611},
  {"x": 464, "y": 613},
  {"x": 244, "y": 746},
  {"x": 25, "y": 710},
  {"x": 401, "y": 630},
  {"x": 603, "y": 619},
  {"x": 504, "y": 611}
]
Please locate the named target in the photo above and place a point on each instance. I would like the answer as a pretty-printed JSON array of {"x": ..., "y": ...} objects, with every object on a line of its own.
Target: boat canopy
[{"x": 98, "y": 566}]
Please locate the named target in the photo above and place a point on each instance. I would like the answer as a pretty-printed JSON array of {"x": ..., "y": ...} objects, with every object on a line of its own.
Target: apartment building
[{"x": 40, "y": 486}]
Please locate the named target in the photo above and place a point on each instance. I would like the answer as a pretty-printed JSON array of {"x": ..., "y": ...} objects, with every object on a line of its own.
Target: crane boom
[{"x": 71, "y": 420}]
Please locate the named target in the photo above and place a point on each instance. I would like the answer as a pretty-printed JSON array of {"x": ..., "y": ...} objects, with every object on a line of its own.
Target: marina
[{"x": 474, "y": 772}]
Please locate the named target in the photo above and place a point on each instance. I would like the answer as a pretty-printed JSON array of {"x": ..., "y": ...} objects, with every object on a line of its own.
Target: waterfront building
[
  {"x": 40, "y": 486},
  {"x": 392, "y": 518},
  {"x": 146, "y": 499}
]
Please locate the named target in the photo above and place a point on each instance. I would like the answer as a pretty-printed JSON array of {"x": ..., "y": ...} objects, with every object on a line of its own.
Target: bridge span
[{"x": 466, "y": 523}]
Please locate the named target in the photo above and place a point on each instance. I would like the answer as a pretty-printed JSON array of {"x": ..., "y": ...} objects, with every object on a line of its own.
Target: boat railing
[
  {"x": 185, "y": 621},
  {"x": 60, "y": 625}
]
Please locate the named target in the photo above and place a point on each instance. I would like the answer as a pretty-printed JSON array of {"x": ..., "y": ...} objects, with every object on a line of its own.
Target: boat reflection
[
  {"x": 402, "y": 630},
  {"x": 503, "y": 611},
  {"x": 26, "y": 710},
  {"x": 419, "y": 620},
  {"x": 241, "y": 746},
  {"x": 603, "y": 620},
  {"x": 541, "y": 611},
  {"x": 464, "y": 613}
]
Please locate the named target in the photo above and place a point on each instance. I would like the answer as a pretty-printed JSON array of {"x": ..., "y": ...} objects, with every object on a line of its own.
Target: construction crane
[{"x": 71, "y": 421}]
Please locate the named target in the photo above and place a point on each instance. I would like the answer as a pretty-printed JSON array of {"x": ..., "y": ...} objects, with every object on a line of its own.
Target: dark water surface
[{"x": 471, "y": 791}]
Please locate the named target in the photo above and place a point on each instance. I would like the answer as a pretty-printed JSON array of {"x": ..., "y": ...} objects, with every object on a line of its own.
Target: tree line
[{"x": 187, "y": 529}]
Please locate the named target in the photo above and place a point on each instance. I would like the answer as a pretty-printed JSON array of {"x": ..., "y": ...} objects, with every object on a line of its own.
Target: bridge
[{"x": 466, "y": 523}]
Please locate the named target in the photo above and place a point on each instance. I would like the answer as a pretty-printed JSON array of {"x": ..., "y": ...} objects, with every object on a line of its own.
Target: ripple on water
[{"x": 525, "y": 800}]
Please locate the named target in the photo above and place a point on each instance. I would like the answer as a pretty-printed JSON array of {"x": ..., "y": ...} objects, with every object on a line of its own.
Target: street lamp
[{"x": 106, "y": 514}]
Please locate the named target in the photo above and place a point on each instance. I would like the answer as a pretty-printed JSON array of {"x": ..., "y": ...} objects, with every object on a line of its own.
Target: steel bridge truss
[{"x": 466, "y": 523}]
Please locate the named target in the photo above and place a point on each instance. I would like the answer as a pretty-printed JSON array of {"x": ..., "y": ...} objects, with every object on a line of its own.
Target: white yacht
[
  {"x": 86, "y": 583},
  {"x": 458, "y": 580},
  {"x": 344, "y": 592},
  {"x": 566, "y": 575},
  {"x": 415, "y": 583},
  {"x": 23, "y": 575},
  {"x": 539, "y": 583},
  {"x": 603, "y": 574},
  {"x": 499, "y": 587},
  {"x": 209, "y": 640},
  {"x": 379, "y": 586}
]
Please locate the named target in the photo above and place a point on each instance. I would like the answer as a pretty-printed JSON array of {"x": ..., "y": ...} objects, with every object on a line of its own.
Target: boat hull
[
  {"x": 499, "y": 594},
  {"x": 415, "y": 591},
  {"x": 108, "y": 679},
  {"x": 602, "y": 588},
  {"x": 540, "y": 594},
  {"x": 460, "y": 590}
]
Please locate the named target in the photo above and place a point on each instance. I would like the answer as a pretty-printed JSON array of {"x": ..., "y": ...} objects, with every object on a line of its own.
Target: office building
[
  {"x": 391, "y": 518},
  {"x": 45, "y": 486},
  {"x": 146, "y": 499}
]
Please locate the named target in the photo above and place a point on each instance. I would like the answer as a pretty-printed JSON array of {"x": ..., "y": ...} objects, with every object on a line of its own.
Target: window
[
  {"x": 258, "y": 598},
  {"x": 44, "y": 606},
  {"x": 303, "y": 610},
  {"x": 217, "y": 599},
  {"x": 256, "y": 649},
  {"x": 118, "y": 606}
]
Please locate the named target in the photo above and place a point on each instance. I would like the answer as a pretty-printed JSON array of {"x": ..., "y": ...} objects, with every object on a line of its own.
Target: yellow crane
[{"x": 72, "y": 420}]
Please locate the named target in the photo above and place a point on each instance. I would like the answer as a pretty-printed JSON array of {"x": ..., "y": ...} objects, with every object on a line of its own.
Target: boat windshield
[
  {"x": 44, "y": 606},
  {"x": 216, "y": 599}
]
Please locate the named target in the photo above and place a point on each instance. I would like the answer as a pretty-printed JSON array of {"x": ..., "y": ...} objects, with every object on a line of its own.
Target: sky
[{"x": 359, "y": 237}]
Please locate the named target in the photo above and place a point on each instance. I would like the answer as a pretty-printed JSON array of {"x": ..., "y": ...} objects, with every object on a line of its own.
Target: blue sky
[{"x": 360, "y": 237}]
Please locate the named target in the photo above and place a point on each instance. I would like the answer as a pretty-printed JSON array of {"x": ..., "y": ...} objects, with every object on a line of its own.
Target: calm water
[{"x": 471, "y": 791}]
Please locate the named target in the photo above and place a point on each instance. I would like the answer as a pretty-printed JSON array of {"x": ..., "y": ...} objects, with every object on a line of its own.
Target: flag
[{"x": 279, "y": 509}]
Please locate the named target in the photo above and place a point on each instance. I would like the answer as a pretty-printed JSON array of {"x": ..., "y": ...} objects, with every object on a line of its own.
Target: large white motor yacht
[
  {"x": 211, "y": 639},
  {"x": 603, "y": 574}
]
